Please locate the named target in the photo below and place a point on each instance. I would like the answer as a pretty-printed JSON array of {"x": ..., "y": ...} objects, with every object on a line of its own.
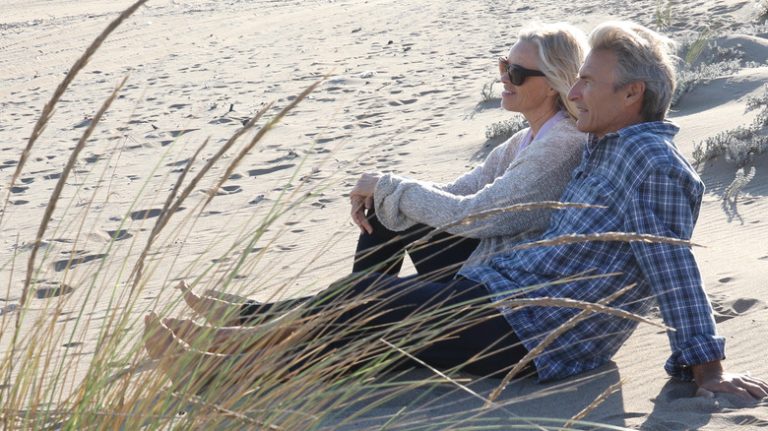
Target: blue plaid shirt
[{"x": 646, "y": 187}]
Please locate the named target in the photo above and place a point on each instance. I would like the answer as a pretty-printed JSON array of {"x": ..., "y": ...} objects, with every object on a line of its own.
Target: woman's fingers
[
  {"x": 361, "y": 198},
  {"x": 359, "y": 206}
]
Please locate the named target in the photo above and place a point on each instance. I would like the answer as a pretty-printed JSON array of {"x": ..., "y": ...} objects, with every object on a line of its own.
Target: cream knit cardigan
[{"x": 539, "y": 173}]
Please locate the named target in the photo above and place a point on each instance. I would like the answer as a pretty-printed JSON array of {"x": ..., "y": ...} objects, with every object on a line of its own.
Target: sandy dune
[{"x": 403, "y": 94}]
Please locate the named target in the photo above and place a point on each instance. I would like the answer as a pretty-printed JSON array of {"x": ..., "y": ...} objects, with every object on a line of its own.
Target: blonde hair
[
  {"x": 562, "y": 48},
  {"x": 642, "y": 55}
]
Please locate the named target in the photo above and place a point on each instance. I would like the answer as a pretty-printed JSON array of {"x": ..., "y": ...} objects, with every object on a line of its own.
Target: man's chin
[{"x": 582, "y": 126}]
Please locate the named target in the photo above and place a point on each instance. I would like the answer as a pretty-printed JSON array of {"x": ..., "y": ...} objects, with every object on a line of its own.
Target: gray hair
[
  {"x": 562, "y": 48},
  {"x": 642, "y": 55}
]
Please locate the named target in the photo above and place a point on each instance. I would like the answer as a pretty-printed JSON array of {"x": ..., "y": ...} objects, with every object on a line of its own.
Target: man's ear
[{"x": 633, "y": 93}]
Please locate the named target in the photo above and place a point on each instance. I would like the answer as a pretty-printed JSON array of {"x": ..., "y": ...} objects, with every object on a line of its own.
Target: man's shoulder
[
  {"x": 649, "y": 143},
  {"x": 638, "y": 151},
  {"x": 649, "y": 147}
]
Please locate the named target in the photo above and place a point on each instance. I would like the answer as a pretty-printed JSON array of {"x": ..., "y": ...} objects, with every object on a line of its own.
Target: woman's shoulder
[
  {"x": 562, "y": 137},
  {"x": 512, "y": 143},
  {"x": 566, "y": 128}
]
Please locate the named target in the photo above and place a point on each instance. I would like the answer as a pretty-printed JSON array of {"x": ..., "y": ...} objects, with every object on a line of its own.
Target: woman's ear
[{"x": 552, "y": 92}]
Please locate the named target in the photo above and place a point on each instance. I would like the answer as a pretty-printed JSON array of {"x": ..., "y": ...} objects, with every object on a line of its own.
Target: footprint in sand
[
  {"x": 145, "y": 214},
  {"x": 119, "y": 235},
  {"x": 256, "y": 200},
  {"x": 10, "y": 308},
  {"x": 177, "y": 133},
  {"x": 728, "y": 309},
  {"x": 53, "y": 291},
  {"x": 229, "y": 190},
  {"x": 257, "y": 172},
  {"x": 61, "y": 265},
  {"x": 178, "y": 163}
]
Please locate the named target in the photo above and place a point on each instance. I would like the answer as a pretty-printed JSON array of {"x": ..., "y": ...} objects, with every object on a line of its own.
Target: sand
[{"x": 403, "y": 94}]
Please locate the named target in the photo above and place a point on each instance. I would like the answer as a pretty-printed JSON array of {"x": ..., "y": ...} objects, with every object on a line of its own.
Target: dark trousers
[
  {"x": 481, "y": 341},
  {"x": 383, "y": 251},
  {"x": 471, "y": 334}
]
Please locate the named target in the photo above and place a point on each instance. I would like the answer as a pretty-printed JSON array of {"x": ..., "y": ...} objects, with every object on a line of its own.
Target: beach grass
[
  {"x": 290, "y": 373},
  {"x": 741, "y": 144}
]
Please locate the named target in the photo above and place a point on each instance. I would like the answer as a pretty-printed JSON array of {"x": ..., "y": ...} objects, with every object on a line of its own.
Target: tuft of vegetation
[
  {"x": 487, "y": 92},
  {"x": 702, "y": 60},
  {"x": 662, "y": 16},
  {"x": 503, "y": 130},
  {"x": 762, "y": 8},
  {"x": 741, "y": 144}
]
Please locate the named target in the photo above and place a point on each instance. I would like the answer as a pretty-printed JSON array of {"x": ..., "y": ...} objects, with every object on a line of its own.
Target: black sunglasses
[{"x": 517, "y": 73}]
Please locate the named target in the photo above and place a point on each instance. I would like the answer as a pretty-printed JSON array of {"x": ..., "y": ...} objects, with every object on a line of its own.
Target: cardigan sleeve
[
  {"x": 494, "y": 165},
  {"x": 539, "y": 173}
]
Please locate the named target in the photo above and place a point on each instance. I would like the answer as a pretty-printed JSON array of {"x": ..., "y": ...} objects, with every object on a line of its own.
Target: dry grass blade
[
  {"x": 455, "y": 382},
  {"x": 551, "y": 337},
  {"x": 60, "y": 186},
  {"x": 605, "y": 236},
  {"x": 164, "y": 218},
  {"x": 259, "y": 135},
  {"x": 587, "y": 306},
  {"x": 42, "y": 121},
  {"x": 164, "y": 213},
  {"x": 226, "y": 412},
  {"x": 594, "y": 404},
  {"x": 438, "y": 372},
  {"x": 512, "y": 208}
]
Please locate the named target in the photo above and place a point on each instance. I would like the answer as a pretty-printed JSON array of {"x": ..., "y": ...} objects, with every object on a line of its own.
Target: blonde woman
[{"x": 534, "y": 165}]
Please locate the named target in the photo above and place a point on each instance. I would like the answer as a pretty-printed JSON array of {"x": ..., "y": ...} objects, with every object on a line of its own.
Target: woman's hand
[{"x": 361, "y": 198}]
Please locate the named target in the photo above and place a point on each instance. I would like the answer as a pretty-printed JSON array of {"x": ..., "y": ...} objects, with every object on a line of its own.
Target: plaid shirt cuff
[{"x": 699, "y": 350}]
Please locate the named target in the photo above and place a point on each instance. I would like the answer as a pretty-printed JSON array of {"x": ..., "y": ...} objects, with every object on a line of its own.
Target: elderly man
[
  {"x": 636, "y": 182},
  {"x": 631, "y": 168}
]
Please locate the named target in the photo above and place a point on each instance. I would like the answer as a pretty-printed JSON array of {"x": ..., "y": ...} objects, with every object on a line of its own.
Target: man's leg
[{"x": 447, "y": 325}]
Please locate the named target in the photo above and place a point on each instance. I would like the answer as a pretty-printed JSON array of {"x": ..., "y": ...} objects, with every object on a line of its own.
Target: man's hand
[
  {"x": 711, "y": 379},
  {"x": 361, "y": 198}
]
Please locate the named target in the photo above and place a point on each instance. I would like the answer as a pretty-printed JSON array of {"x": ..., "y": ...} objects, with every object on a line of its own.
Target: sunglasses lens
[{"x": 515, "y": 76}]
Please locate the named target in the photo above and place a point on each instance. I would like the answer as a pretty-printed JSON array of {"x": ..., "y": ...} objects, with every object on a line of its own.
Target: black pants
[
  {"x": 475, "y": 338},
  {"x": 471, "y": 334},
  {"x": 383, "y": 251}
]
